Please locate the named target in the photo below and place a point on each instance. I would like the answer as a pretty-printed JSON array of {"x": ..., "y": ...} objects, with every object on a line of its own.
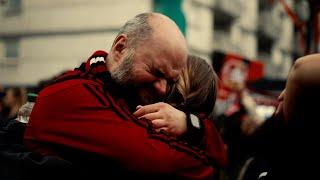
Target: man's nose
[{"x": 161, "y": 86}]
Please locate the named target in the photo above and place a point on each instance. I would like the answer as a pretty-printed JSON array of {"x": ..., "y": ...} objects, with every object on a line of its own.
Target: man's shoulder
[{"x": 74, "y": 85}]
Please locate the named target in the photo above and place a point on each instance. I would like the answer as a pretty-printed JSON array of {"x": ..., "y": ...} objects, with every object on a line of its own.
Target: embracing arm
[
  {"x": 179, "y": 124},
  {"x": 79, "y": 119}
]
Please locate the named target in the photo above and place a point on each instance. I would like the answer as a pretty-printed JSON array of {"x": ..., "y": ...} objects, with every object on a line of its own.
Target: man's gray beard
[{"x": 123, "y": 74}]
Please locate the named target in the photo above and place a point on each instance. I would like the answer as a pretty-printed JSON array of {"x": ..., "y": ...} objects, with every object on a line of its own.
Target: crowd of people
[{"x": 146, "y": 109}]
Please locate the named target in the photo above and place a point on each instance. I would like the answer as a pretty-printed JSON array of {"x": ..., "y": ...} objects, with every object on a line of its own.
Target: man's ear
[{"x": 119, "y": 47}]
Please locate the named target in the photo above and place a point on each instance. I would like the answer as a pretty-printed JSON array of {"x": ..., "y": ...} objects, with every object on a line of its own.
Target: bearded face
[{"x": 125, "y": 76}]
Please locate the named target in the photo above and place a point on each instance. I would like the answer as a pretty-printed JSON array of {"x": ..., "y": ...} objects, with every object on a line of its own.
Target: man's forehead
[
  {"x": 171, "y": 71},
  {"x": 167, "y": 60},
  {"x": 178, "y": 66},
  {"x": 177, "y": 62}
]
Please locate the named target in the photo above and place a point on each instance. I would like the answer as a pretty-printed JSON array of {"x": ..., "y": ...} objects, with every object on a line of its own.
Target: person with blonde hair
[{"x": 194, "y": 93}]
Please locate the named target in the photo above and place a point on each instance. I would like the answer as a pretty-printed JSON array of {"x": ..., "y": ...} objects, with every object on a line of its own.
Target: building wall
[
  {"x": 279, "y": 61},
  {"x": 241, "y": 35},
  {"x": 199, "y": 20},
  {"x": 1, "y": 48},
  {"x": 58, "y": 35}
]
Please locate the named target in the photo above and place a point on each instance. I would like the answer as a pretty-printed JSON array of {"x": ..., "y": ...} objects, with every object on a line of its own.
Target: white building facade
[{"x": 41, "y": 38}]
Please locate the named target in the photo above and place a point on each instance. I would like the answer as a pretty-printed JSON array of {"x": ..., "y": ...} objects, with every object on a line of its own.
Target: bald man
[
  {"x": 87, "y": 114},
  {"x": 148, "y": 55}
]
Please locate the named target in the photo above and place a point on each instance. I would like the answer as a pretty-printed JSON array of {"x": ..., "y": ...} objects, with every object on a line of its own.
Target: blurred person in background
[
  {"x": 85, "y": 116},
  {"x": 236, "y": 111},
  {"x": 285, "y": 146},
  {"x": 14, "y": 98}
]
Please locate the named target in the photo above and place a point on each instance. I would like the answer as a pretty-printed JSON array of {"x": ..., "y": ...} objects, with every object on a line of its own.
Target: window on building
[
  {"x": 12, "y": 46},
  {"x": 11, "y": 7}
]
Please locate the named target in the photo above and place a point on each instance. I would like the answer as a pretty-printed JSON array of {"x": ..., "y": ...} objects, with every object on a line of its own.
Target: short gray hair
[{"x": 137, "y": 29}]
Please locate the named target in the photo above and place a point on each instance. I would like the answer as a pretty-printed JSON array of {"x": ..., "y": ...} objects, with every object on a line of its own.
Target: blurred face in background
[
  {"x": 15, "y": 96},
  {"x": 234, "y": 74},
  {"x": 10, "y": 99}
]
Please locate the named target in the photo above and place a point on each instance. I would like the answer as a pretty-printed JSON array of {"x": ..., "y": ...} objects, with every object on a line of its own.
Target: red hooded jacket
[{"x": 82, "y": 111}]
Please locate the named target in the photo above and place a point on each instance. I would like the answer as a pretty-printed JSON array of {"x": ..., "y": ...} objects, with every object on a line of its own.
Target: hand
[
  {"x": 164, "y": 117},
  {"x": 252, "y": 119},
  {"x": 249, "y": 125}
]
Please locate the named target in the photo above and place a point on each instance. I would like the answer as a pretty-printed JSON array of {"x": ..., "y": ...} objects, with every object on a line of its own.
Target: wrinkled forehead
[
  {"x": 172, "y": 66},
  {"x": 170, "y": 44}
]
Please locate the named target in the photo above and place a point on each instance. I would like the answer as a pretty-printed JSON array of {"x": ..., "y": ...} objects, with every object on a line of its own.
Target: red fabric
[
  {"x": 256, "y": 70},
  {"x": 79, "y": 112}
]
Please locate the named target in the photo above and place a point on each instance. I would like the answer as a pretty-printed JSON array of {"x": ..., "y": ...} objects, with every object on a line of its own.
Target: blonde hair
[{"x": 196, "y": 88}]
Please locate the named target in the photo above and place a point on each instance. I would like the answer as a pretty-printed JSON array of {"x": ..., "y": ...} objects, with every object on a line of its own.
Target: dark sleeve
[
  {"x": 207, "y": 139},
  {"x": 16, "y": 162},
  {"x": 269, "y": 137},
  {"x": 193, "y": 136}
]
